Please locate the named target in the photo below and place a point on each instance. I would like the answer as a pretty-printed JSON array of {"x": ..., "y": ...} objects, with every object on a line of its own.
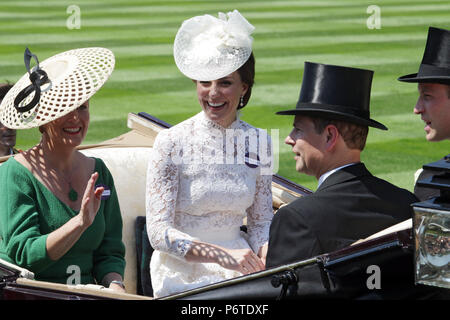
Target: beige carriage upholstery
[{"x": 129, "y": 169}]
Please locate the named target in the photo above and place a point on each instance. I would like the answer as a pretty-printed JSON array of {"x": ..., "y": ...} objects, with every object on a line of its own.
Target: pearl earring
[{"x": 242, "y": 101}]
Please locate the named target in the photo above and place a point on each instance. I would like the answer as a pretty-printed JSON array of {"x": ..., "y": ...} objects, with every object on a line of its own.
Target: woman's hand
[
  {"x": 91, "y": 201},
  {"x": 262, "y": 252},
  {"x": 113, "y": 281},
  {"x": 243, "y": 260},
  {"x": 116, "y": 287},
  {"x": 63, "y": 238}
]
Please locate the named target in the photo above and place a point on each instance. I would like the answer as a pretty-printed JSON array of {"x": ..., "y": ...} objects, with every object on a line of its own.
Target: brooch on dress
[
  {"x": 106, "y": 192},
  {"x": 251, "y": 160}
]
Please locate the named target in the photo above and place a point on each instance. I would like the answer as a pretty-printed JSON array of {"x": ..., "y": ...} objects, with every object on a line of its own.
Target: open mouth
[
  {"x": 216, "y": 105},
  {"x": 72, "y": 130}
]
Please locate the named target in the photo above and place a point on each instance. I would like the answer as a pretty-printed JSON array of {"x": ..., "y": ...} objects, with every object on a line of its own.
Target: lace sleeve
[
  {"x": 161, "y": 198},
  {"x": 260, "y": 213}
]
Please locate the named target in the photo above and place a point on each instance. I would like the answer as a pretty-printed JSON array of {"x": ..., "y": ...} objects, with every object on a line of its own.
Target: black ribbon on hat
[{"x": 38, "y": 77}]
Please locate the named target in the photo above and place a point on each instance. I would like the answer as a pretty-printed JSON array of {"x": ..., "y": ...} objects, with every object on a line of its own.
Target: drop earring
[{"x": 241, "y": 104}]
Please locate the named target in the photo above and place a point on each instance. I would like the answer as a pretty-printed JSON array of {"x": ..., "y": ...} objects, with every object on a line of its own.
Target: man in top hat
[
  {"x": 330, "y": 130},
  {"x": 433, "y": 104}
]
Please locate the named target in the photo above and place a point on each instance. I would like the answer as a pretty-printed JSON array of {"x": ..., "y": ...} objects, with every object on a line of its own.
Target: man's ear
[{"x": 331, "y": 135}]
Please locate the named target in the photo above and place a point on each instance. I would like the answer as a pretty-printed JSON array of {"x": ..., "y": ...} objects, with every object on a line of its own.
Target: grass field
[{"x": 141, "y": 33}]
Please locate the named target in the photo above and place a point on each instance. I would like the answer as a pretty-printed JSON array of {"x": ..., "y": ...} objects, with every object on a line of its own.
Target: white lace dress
[{"x": 202, "y": 181}]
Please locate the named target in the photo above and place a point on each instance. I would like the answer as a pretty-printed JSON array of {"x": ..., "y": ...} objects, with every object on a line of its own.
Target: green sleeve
[
  {"x": 22, "y": 242},
  {"x": 110, "y": 256}
]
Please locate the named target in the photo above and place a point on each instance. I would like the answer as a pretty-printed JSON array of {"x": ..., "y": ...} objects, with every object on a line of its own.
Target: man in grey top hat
[
  {"x": 330, "y": 130},
  {"x": 433, "y": 104}
]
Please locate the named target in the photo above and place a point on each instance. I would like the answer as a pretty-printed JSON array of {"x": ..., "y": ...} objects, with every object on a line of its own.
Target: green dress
[{"x": 29, "y": 212}]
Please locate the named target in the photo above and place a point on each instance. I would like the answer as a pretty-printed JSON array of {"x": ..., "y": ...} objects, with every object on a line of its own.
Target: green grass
[{"x": 287, "y": 34}]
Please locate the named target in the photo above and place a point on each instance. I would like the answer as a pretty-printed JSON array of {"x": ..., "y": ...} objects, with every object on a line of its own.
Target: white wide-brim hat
[
  {"x": 74, "y": 77},
  {"x": 208, "y": 48}
]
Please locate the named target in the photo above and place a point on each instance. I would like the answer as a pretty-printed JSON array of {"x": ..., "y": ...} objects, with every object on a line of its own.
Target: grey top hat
[
  {"x": 435, "y": 66},
  {"x": 335, "y": 92}
]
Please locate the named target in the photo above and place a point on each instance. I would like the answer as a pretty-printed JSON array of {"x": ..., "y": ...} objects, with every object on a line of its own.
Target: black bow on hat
[
  {"x": 335, "y": 92},
  {"x": 38, "y": 77},
  {"x": 435, "y": 66}
]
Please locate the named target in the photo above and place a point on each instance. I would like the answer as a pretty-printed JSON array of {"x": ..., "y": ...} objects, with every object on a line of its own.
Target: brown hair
[
  {"x": 4, "y": 88},
  {"x": 354, "y": 135},
  {"x": 247, "y": 74}
]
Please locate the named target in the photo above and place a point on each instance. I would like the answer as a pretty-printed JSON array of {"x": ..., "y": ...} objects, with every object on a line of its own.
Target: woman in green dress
[{"x": 59, "y": 213}]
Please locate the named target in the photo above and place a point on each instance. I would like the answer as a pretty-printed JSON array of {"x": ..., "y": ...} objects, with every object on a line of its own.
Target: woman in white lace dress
[{"x": 210, "y": 173}]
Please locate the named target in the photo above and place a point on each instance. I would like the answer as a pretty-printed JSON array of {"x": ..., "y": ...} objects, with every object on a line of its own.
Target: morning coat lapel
[{"x": 345, "y": 174}]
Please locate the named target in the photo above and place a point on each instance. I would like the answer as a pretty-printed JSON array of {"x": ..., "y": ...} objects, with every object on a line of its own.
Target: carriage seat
[{"x": 129, "y": 170}]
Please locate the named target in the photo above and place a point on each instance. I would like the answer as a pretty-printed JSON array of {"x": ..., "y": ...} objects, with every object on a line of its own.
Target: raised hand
[
  {"x": 91, "y": 201},
  {"x": 63, "y": 238}
]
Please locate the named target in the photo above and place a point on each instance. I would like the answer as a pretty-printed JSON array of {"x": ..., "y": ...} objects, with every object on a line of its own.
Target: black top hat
[
  {"x": 335, "y": 92},
  {"x": 435, "y": 66}
]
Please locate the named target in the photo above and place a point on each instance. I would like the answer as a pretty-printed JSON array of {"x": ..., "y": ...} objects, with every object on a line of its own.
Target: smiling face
[
  {"x": 71, "y": 129},
  {"x": 220, "y": 98},
  {"x": 433, "y": 105},
  {"x": 308, "y": 146}
]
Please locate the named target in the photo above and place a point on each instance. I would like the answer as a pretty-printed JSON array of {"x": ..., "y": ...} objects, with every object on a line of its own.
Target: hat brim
[
  {"x": 75, "y": 76},
  {"x": 414, "y": 78},
  {"x": 335, "y": 115}
]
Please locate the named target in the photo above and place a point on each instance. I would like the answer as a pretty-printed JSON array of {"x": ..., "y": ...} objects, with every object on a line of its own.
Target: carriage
[{"x": 386, "y": 265}]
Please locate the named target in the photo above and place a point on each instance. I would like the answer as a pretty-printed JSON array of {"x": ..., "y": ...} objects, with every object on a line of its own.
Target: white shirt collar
[{"x": 329, "y": 173}]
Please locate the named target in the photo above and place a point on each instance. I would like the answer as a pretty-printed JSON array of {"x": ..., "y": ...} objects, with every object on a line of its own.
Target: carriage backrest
[{"x": 128, "y": 167}]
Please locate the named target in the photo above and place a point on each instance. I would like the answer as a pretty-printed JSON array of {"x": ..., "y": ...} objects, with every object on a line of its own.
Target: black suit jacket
[{"x": 351, "y": 204}]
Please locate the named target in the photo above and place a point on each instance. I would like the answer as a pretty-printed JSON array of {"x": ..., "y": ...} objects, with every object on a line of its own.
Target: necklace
[{"x": 72, "y": 194}]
